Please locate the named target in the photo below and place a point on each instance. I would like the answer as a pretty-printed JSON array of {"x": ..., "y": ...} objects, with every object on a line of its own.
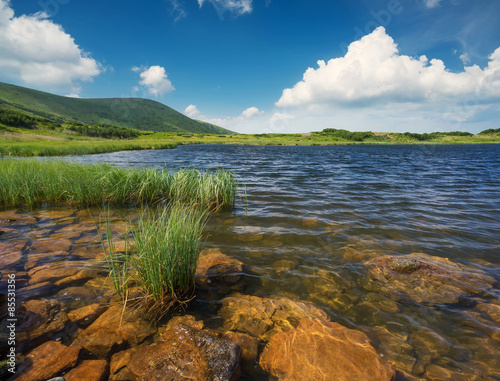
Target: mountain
[{"x": 139, "y": 113}]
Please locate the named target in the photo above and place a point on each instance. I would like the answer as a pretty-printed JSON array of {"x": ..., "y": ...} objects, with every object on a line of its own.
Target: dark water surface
[{"x": 316, "y": 215}]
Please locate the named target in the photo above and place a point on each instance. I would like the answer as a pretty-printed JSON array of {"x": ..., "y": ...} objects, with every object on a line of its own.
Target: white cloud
[
  {"x": 251, "y": 112},
  {"x": 192, "y": 111},
  {"x": 39, "y": 52},
  {"x": 465, "y": 58},
  {"x": 236, "y": 7},
  {"x": 72, "y": 95},
  {"x": 177, "y": 10},
  {"x": 432, "y": 3},
  {"x": 155, "y": 80},
  {"x": 373, "y": 71}
]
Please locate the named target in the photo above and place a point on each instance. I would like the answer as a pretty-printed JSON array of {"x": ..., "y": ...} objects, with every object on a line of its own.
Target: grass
[
  {"x": 162, "y": 258},
  {"x": 63, "y": 147},
  {"x": 31, "y": 182}
]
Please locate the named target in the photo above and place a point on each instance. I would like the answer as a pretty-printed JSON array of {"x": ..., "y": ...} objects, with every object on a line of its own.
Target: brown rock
[
  {"x": 44, "y": 245},
  {"x": 249, "y": 348},
  {"x": 183, "y": 319},
  {"x": 262, "y": 317},
  {"x": 100, "y": 344},
  {"x": 318, "y": 350},
  {"x": 46, "y": 361},
  {"x": 62, "y": 273},
  {"x": 186, "y": 353},
  {"x": 11, "y": 254},
  {"x": 87, "y": 314},
  {"x": 123, "y": 375},
  {"x": 427, "y": 279},
  {"x": 89, "y": 370},
  {"x": 39, "y": 318},
  {"x": 492, "y": 310},
  {"x": 213, "y": 266},
  {"x": 114, "y": 328},
  {"x": 121, "y": 359}
]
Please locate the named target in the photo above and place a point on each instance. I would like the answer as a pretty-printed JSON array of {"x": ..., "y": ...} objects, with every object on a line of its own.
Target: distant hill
[{"x": 139, "y": 113}]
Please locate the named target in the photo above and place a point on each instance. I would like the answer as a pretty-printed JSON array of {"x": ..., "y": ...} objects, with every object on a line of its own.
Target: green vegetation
[
  {"x": 138, "y": 113},
  {"x": 490, "y": 131},
  {"x": 106, "y": 131},
  {"x": 31, "y": 182},
  {"x": 163, "y": 257}
]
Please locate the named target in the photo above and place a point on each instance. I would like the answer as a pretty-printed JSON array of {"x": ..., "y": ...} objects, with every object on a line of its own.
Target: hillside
[{"x": 139, "y": 113}]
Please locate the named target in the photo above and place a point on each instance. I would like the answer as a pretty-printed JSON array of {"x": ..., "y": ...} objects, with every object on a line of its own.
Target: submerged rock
[
  {"x": 323, "y": 351},
  {"x": 88, "y": 370},
  {"x": 39, "y": 319},
  {"x": 86, "y": 315},
  {"x": 186, "y": 353},
  {"x": 112, "y": 330},
  {"x": 427, "y": 279},
  {"x": 214, "y": 266},
  {"x": 46, "y": 361},
  {"x": 263, "y": 317},
  {"x": 63, "y": 273}
]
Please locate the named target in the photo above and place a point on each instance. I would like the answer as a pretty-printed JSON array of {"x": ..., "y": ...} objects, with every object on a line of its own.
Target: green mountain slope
[{"x": 139, "y": 113}]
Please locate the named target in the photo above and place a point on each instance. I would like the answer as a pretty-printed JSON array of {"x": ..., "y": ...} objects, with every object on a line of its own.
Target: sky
[{"x": 268, "y": 66}]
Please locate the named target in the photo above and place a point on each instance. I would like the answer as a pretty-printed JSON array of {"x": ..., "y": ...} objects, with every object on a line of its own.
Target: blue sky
[{"x": 257, "y": 66}]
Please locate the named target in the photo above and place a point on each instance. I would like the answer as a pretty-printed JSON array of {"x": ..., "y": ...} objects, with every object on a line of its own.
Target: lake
[{"x": 315, "y": 221}]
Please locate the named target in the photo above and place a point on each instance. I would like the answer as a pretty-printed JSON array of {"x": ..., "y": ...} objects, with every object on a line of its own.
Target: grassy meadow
[{"x": 26, "y": 135}]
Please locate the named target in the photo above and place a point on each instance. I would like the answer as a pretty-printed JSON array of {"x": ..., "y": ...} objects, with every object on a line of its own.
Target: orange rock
[
  {"x": 322, "y": 351},
  {"x": 87, "y": 314},
  {"x": 427, "y": 279},
  {"x": 39, "y": 318},
  {"x": 213, "y": 266},
  {"x": 46, "y": 361},
  {"x": 263, "y": 317},
  {"x": 89, "y": 370}
]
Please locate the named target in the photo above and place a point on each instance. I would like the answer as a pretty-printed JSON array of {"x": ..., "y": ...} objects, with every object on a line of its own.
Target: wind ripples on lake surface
[{"x": 316, "y": 215}]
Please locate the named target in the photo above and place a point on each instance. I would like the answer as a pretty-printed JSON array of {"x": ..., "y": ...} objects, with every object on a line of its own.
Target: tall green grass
[
  {"x": 31, "y": 182},
  {"x": 61, "y": 148},
  {"x": 163, "y": 257}
]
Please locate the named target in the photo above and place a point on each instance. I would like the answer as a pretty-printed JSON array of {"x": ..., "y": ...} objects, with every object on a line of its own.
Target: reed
[
  {"x": 163, "y": 257},
  {"x": 31, "y": 182},
  {"x": 64, "y": 147}
]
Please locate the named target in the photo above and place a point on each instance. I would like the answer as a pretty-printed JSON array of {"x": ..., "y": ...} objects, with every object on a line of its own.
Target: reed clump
[
  {"x": 160, "y": 257},
  {"x": 31, "y": 182}
]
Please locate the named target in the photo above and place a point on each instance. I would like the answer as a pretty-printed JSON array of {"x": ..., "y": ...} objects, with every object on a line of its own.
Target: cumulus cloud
[
  {"x": 236, "y": 7},
  {"x": 373, "y": 71},
  {"x": 465, "y": 58},
  {"x": 431, "y": 3},
  {"x": 155, "y": 79},
  {"x": 192, "y": 111},
  {"x": 72, "y": 95},
  {"x": 39, "y": 52},
  {"x": 251, "y": 112}
]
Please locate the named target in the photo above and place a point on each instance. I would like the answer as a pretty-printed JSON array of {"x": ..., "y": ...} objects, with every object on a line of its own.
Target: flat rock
[
  {"x": 11, "y": 254},
  {"x": 323, "y": 351},
  {"x": 46, "y": 361},
  {"x": 39, "y": 318},
  {"x": 214, "y": 266},
  {"x": 86, "y": 315},
  {"x": 112, "y": 329},
  {"x": 44, "y": 245},
  {"x": 263, "y": 317},
  {"x": 426, "y": 279},
  {"x": 186, "y": 353},
  {"x": 62, "y": 273},
  {"x": 88, "y": 370}
]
